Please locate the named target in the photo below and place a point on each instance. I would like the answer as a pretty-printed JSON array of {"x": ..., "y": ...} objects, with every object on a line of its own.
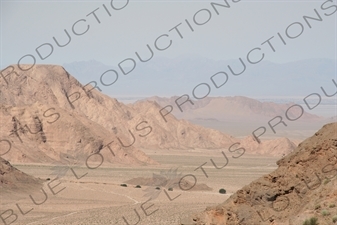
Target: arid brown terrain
[
  {"x": 104, "y": 156},
  {"x": 13, "y": 180},
  {"x": 303, "y": 186},
  {"x": 46, "y": 113},
  {"x": 237, "y": 108}
]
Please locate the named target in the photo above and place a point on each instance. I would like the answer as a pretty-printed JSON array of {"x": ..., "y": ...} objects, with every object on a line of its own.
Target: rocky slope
[
  {"x": 45, "y": 113},
  {"x": 12, "y": 179},
  {"x": 37, "y": 138},
  {"x": 276, "y": 147},
  {"x": 178, "y": 134},
  {"x": 303, "y": 186}
]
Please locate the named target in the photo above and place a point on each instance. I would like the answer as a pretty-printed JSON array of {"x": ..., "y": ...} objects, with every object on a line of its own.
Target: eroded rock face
[
  {"x": 12, "y": 179},
  {"x": 289, "y": 195},
  {"x": 45, "y": 113},
  {"x": 36, "y": 138}
]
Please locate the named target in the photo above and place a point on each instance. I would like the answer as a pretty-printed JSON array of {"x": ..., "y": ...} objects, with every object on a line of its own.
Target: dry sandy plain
[
  {"x": 98, "y": 197},
  {"x": 89, "y": 124}
]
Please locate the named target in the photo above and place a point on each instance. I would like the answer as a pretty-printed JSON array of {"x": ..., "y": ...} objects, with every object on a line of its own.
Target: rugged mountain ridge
[
  {"x": 303, "y": 185},
  {"x": 182, "y": 74},
  {"x": 45, "y": 112},
  {"x": 237, "y": 108},
  {"x": 39, "y": 139}
]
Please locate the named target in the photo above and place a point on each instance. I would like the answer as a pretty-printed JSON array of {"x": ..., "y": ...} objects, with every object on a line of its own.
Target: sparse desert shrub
[
  {"x": 222, "y": 191},
  {"x": 124, "y": 185},
  {"x": 317, "y": 207},
  {"x": 325, "y": 213},
  {"x": 138, "y": 186},
  {"x": 48, "y": 178},
  {"x": 326, "y": 181},
  {"x": 170, "y": 189},
  {"x": 334, "y": 219},
  {"x": 311, "y": 221},
  {"x": 332, "y": 205},
  {"x": 157, "y": 188}
]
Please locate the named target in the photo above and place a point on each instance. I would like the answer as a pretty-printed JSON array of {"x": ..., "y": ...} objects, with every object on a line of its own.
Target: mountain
[
  {"x": 168, "y": 77},
  {"x": 47, "y": 114},
  {"x": 63, "y": 137},
  {"x": 303, "y": 186},
  {"x": 177, "y": 134},
  {"x": 237, "y": 108},
  {"x": 275, "y": 147}
]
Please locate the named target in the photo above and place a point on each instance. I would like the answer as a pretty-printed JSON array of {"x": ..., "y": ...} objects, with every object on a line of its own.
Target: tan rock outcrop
[
  {"x": 12, "y": 179},
  {"x": 303, "y": 185},
  {"x": 275, "y": 147}
]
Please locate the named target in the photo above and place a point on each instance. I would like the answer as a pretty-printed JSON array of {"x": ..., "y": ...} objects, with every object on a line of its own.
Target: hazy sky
[{"x": 25, "y": 25}]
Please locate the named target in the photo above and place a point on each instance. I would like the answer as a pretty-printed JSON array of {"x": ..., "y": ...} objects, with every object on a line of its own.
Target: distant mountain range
[
  {"x": 169, "y": 77},
  {"x": 237, "y": 108}
]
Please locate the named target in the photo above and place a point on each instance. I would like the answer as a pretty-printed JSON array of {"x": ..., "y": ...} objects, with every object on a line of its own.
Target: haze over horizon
[
  {"x": 195, "y": 53},
  {"x": 251, "y": 84},
  {"x": 246, "y": 24}
]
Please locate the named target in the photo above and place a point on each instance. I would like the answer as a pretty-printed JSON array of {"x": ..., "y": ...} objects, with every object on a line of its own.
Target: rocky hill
[
  {"x": 304, "y": 186},
  {"x": 177, "y": 134},
  {"x": 275, "y": 147},
  {"x": 47, "y": 113},
  {"x": 237, "y": 108},
  {"x": 12, "y": 179},
  {"x": 38, "y": 139}
]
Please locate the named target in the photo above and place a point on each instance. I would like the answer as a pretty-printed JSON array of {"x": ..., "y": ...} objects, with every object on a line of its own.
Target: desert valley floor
[
  {"x": 98, "y": 197},
  {"x": 100, "y": 161}
]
